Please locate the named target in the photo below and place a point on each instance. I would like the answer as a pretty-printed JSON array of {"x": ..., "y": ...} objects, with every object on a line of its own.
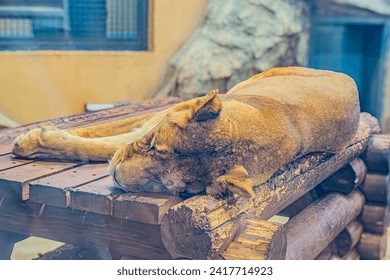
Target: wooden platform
[{"x": 76, "y": 203}]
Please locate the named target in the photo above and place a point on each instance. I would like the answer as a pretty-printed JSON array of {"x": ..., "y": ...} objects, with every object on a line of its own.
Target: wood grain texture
[
  {"x": 55, "y": 189},
  {"x": 347, "y": 178},
  {"x": 372, "y": 246},
  {"x": 376, "y": 188},
  {"x": 83, "y": 229},
  {"x": 350, "y": 255},
  {"x": 313, "y": 229},
  {"x": 146, "y": 208},
  {"x": 301, "y": 203},
  {"x": 376, "y": 156},
  {"x": 96, "y": 197},
  {"x": 257, "y": 240},
  {"x": 7, "y": 161},
  {"x": 196, "y": 218},
  {"x": 375, "y": 218},
  {"x": 16, "y": 180},
  {"x": 348, "y": 238}
]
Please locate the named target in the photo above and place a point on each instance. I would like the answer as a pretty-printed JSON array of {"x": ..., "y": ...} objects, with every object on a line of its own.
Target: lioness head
[{"x": 169, "y": 157}]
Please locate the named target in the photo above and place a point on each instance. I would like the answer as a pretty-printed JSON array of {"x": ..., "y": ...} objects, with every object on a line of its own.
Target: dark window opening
[{"x": 73, "y": 24}]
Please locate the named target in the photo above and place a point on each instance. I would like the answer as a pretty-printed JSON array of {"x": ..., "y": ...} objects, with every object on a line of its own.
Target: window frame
[{"x": 139, "y": 43}]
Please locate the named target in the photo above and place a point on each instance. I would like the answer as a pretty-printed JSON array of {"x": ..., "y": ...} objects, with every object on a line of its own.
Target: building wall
[{"x": 40, "y": 85}]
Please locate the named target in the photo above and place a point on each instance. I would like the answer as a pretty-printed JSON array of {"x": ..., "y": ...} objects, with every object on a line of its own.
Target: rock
[{"x": 237, "y": 39}]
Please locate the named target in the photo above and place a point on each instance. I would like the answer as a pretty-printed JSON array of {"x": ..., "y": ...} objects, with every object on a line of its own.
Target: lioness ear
[{"x": 207, "y": 107}]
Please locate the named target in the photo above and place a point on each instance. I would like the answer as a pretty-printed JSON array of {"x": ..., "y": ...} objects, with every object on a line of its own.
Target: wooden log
[
  {"x": 347, "y": 178},
  {"x": 375, "y": 218},
  {"x": 312, "y": 230},
  {"x": 376, "y": 188},
  {"x": 348, "y": 238},
  {"x": 194, "y": 220},
  {"x": 301, "y": 203},
  {"x": 376, "y": 156},
  {"x": 372, "y": 246},
  {"x": 351, "y": 255},
  {"x": 258, "y": 240}
]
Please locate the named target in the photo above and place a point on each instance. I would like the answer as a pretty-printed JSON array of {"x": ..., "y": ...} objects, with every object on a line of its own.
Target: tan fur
[{"x": 223, "y": 144}]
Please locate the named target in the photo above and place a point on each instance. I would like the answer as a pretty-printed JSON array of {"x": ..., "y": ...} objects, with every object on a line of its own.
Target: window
[{"x": 73, "y": 24}]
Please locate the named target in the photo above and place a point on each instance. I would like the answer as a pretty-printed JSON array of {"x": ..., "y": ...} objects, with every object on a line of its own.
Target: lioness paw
[
  {"x": 236, "y": 181},
  {"x": 38, "y": 142}
]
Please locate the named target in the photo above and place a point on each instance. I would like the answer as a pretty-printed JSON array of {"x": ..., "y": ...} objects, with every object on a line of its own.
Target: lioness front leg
[{"x": 51, "y": 142}]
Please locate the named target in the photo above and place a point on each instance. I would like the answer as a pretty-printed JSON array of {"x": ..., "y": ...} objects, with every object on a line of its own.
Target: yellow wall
[{"x": 41, "y": 85}]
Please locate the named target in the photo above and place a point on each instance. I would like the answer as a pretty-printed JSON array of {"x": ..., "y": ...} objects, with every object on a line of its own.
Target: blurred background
[{"x": 56, "y": 56}]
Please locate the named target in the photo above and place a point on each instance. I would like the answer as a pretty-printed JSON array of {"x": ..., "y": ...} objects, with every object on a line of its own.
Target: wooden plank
[
  {"x": 7, "y": 161},
  {"x": 144, "y": 207},
  {"x": 16, "y": 180},
  {"x": 313, "y": 229},
  {"x": 5, "y": 148},
  {"x": 54, "y": 189},
  {"x": 193, "y": 221},
  {"x": 96, "y": 197},
  {"x": 83, "y": 229}
]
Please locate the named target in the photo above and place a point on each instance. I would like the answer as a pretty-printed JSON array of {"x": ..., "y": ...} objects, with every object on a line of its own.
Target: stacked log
[
  {"x": 204, "y": 228},
  {"x": 375, "y": 216}
]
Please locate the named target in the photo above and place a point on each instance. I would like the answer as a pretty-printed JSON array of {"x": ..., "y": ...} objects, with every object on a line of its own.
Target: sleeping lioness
[{"x": 223, "y": 144}]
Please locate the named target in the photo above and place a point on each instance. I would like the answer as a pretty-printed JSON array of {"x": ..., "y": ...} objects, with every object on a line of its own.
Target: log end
[{"x": 258, "y": 240}]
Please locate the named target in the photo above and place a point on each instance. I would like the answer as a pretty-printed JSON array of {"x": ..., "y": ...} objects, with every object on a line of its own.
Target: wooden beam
[
  {"x": 375, "y": 218},
  {"x": 376, "y": 155},
  {"x": 376, "y": 188},
  {"x": 313, "y": 229},
  {"x": 347, "y": 178},
  {"x": 257, "y": 240},
  {"x": 194, "y": 220},
  {"x": 83, "y": 229},
  {"x": 372, "y": 246}
]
